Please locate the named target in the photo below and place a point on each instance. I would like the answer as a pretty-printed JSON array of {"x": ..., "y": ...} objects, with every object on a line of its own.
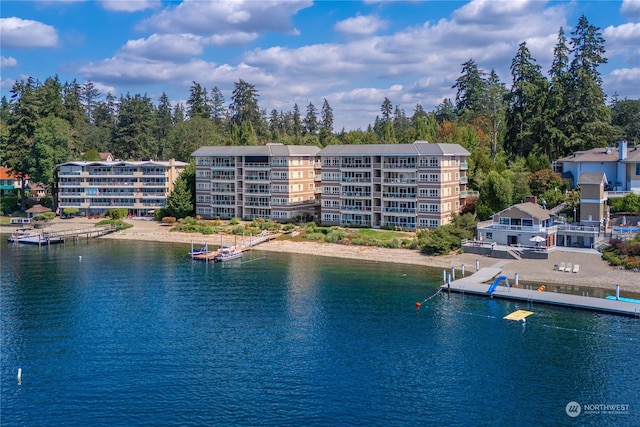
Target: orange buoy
[
  {"x": 418, "y": 304},
  {"x": 542, "y": 288}
]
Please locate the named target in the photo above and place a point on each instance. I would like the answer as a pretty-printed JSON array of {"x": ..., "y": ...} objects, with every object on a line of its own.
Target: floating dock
[
  {"x": 253, "y": 241},
  {"x": 475, "y": 284}
]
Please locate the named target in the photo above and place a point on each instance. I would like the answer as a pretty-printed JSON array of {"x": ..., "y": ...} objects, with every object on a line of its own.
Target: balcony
[
  {"x": 469, "y": 193},
  {"x": 400, "y": 180},
  {"x": 350, "y": 179},
  {"x": 400, "y": 210},
  {"x": 399, "y": 195},
  {"x": 464, "y": 180},
  {"x": 355, "y": 208},
  {"x": 464, "y": 166},
  {"x": 355, "y": 194}
]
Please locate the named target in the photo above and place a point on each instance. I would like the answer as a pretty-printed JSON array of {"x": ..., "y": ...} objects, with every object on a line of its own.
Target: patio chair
[
  {"x": 576, "y": 268},
  {"x": 568, "y": 268},
  {"x": 561, "y": 268}
]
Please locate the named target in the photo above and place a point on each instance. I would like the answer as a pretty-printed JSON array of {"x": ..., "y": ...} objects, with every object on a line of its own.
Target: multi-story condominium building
[
  {"x": 93, "y": 187},
  {"x": 411, "y": 186},
  {"x": 273, "y": 181}
]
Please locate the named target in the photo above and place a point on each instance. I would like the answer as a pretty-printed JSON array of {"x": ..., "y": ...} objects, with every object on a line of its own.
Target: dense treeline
[{"x": 512, "y": 132}]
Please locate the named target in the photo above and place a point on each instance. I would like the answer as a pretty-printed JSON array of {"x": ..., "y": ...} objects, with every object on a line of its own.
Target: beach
[{"x": 594, "y": 272}]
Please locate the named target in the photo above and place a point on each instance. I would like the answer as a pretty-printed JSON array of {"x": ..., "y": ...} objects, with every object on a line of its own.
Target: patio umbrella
[{"x": 537, "y": 239}]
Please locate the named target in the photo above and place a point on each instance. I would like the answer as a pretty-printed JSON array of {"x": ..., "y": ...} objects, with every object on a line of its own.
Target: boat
[
  {"x": 228, "y": 253},
  {"x": 203, "y": 250},
  {"x": 23, "y": 236}
]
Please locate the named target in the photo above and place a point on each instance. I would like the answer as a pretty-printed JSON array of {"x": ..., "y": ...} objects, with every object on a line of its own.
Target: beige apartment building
[
  {"x": 93, "y": 187},
  {"x": 410, "y": 186},
  {"x": 274, "y": 181}
]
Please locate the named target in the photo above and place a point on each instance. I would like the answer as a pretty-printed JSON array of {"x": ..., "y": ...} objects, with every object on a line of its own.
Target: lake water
[{"x": 139, "y": 334}]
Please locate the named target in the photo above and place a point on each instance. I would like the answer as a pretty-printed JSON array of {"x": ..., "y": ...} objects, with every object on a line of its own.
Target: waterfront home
[
  {"x": 519, "y": 225},
  {"x": 141, "y": 187},
  {"x": 10, "y": 181},
  {"x": 408, "y": 186},
  {"x": 621, "y": 166},
  {"x": 274, "y": 181}
]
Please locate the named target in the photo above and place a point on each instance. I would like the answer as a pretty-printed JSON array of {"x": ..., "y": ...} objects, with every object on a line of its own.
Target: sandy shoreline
[{"x": 594, "y": 272}]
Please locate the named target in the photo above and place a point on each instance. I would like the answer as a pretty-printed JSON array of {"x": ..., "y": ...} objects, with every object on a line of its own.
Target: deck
[{"x": 476, "y": 284}]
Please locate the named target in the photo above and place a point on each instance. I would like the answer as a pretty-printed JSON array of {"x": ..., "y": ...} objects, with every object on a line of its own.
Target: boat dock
[
  {"x": 253, "y": 241},
  {"x": 87, "y": 233},
  {"x": 47, "y": 237},
  {"x": 476, "y": 284}
]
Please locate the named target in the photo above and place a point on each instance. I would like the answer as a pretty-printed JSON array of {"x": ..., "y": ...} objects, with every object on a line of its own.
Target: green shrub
[
  {"x": 117, "y": 213},
  {"x": 45, "y": 216},
  {"x": 234, "y": 221},
  {"x": 70, "y": 211}
]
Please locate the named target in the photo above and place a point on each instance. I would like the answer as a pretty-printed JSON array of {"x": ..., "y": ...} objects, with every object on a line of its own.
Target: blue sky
[{"x": 352, "y": 53}]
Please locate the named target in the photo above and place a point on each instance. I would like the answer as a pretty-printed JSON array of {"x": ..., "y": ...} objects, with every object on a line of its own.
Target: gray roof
[
  {"x": 166, "y": 163},
  {"x": 592, "y": 178},
  {"x": 415, "y": 149},
  {"x": 257, "y": 150},
  {"x": 609, "y": 154},
  {"x": 532, "y": 209}
]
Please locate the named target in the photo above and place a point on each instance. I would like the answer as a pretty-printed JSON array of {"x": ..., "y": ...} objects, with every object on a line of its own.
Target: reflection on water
[{"x": 139, "y": 334}]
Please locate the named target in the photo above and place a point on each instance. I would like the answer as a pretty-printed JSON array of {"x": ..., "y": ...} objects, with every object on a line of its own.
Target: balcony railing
[
  {"x": 464, "y": 166},
  {"x": 464, "y": 180},
  {"x": 354, "y": 194},
  {"x": 399, "y": 180},
  {"x": 400, "y": 210},
  {"x": 469, "y": 193},
  {"x": 355, "y": 208},
  {"x": 399, "y": 195}
]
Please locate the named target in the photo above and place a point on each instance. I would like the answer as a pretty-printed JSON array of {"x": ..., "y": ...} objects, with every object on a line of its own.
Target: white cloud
[
  {"x": 24, "y": 33},
  {"x": 219, "y": 18},
  {"x": 624, "y": 41},
  {"x": 7, "y": 62},
  {"x": 630, "y": 9},
  {"x": 623, "y": 81},
  {"x": 129, "y": 5},
  {"x": 361, "y": 25},
  {"x": 170, "y": 46}
]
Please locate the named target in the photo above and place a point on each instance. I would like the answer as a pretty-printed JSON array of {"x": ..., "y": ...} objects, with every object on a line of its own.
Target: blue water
[{"x": 139, "y": 334}]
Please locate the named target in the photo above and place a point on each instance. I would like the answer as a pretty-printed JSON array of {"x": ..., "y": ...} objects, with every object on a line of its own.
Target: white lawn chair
[
  {"x": 576, "y": 268},
  {"x": 568, "y": 268},
  {"x": 561, "y": 268}
]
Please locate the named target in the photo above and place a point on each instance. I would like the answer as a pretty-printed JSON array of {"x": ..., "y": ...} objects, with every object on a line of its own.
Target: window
[
  {"x": 527, "y": 222},
  {"x": 489, "y": 235},
  {"x": 505, "y": 221},
  {"x": 637, "y": 169},
  {"x": 433, "y": 162},
  {"x": 433, "y": 223},
  {"x": 433, "y": 192},
  {"x": 433, "y": 208}
]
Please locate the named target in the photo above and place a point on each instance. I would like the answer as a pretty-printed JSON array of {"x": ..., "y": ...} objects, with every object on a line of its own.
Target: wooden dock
[
  {"x": 476, "y": 284},
  {"x": 88, "y": 232},
  {"x": 253, "y": 241}
]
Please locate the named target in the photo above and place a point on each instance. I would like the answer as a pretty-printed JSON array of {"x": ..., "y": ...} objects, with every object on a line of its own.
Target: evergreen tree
[
  {"x": 21, "y": 127},
  {"x": 179, "y": 203},
  {"x": 589, "y": 117},
  {"x": 386, "y": 132},
  {"x": 133, "y": 134},
  {"x": 178, "y": 114},
  {"x": 244, "y": 105},
  {"x": 446, "y": 111},
  {"x": 218, "y": 110},
  {"x": 296, "y": 123},
  {"x": 526, "y": 102},
  {"x": 163, "y": 124},
  {"x": 198, "y": 103},
  {"x": 310, "y": 121},
  {"x": 402, "y": 127},
  {"x": 89, "y": 96},
  {"x": 470, "y": 86},
  {"x": 326, "y": 125},
  {"x": 625, "y": 116},
  {"x": 556, "y": 112},
  {"x": 496, "y": 109}
]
